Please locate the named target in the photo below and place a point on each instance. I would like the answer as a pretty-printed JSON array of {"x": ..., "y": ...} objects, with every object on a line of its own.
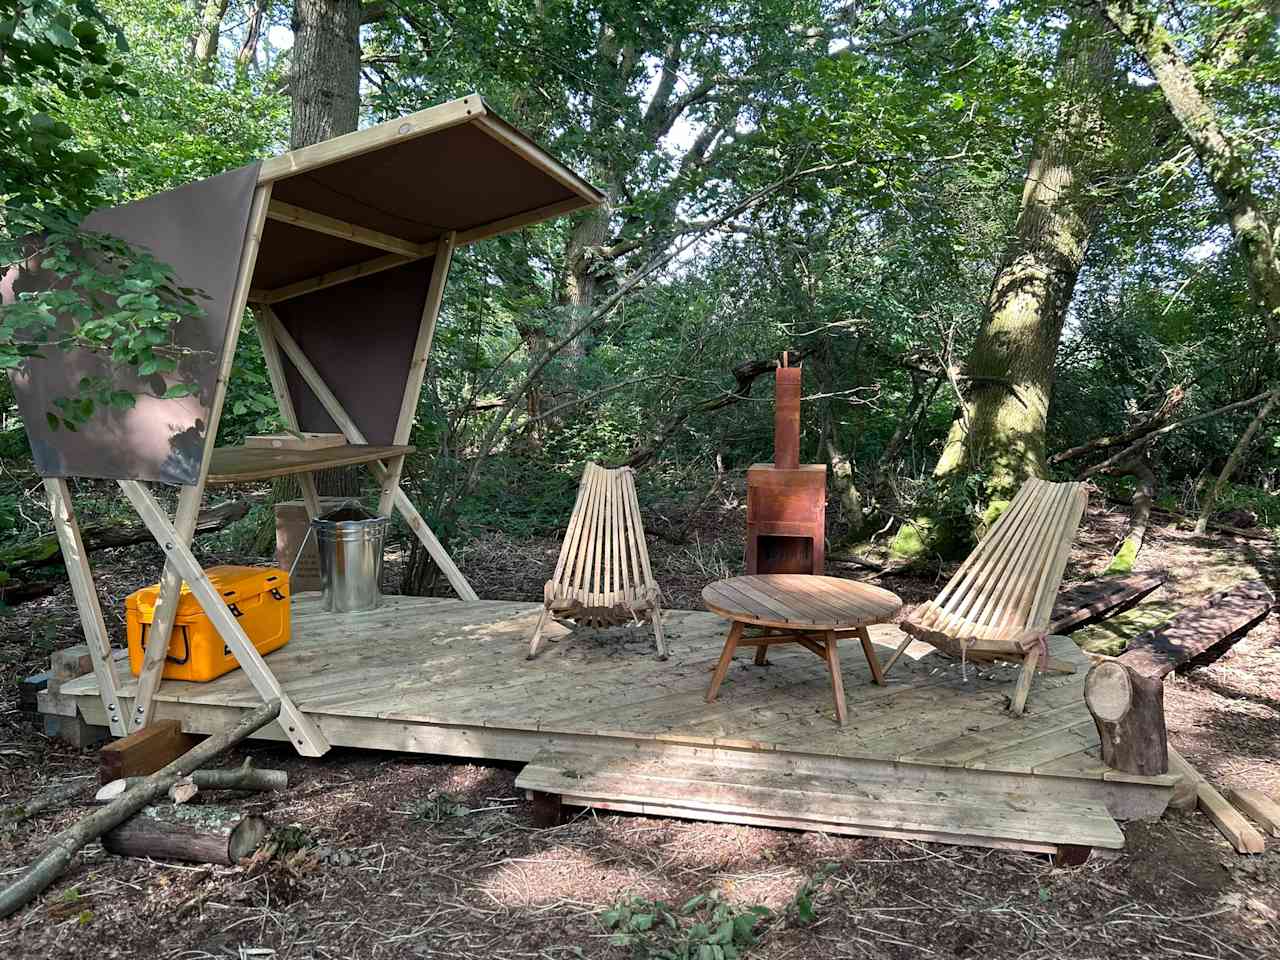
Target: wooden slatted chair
[
  {"x": 603, "y": 577},
  {"x": 997, "y": 605}
]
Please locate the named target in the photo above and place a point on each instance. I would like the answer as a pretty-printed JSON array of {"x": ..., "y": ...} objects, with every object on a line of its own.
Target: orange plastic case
[{"x": 258, "y": 596}]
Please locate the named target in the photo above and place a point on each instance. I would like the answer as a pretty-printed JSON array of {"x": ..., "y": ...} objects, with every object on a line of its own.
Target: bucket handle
[{"x": 311, "y": 532}]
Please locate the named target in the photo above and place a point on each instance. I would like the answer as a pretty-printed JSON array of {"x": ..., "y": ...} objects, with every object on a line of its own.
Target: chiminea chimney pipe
[{"x": 786, "y": 416}]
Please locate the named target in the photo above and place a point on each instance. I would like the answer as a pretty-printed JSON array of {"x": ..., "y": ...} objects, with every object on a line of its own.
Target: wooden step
[{"x": 663, "y": 785}]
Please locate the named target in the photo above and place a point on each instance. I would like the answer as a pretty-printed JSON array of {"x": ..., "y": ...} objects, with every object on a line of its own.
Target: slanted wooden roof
[{"x": 379, "y": 197}]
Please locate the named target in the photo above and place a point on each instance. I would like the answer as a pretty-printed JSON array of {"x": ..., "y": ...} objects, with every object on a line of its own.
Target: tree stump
[
  {"x": 1128, "y": 709},
  {"x": 201, "y": 833}
]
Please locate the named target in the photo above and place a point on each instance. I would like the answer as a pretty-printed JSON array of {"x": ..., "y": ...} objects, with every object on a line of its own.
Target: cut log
[
  {"x": 1223, "y": 618},
  {"x": 1128, "y": 710},
  {"x": 59, "y": 851},
  {"x": 1260, "y": 808},
  {"x": 242, "y": 778},
  {"x": 200, "y": 833},
  {"x": 1095, "y": 600},
  {"x": 1240, "y": 833},
  {"x": 144, "y": 751}
]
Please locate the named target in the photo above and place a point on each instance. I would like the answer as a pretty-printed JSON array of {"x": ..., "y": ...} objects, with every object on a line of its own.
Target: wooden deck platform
[{"x": 450, "y": 678}]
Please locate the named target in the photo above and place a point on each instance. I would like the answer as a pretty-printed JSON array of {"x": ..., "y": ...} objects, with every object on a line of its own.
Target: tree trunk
[
  {"x": 325, "y": 80},
  {"x": 252, "y": 34},
  {"x": 1224, "y": 163},
  {"x": 1144, "y": 494},
  {"x": 1233, "y": 461},
  {"x": 1001, "y": 428},
  {"x": 204, "y": 47}
]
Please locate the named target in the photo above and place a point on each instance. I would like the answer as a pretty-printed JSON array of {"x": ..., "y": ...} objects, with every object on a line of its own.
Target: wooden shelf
[{"x": 238, "y": 464}]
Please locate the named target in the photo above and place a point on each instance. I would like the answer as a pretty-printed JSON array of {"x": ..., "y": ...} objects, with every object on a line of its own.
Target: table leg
[
  {"x": 762, "y": 655},
  {"x": 726, "y": 657},
  {"x": 837, "y": 681},
  {"x": 877, "y": 675}
]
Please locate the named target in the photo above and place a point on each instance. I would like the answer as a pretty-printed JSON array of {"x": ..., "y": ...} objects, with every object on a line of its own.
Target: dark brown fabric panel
[
  {"x": 360, "y": 337},
  {"x": 454, "y": 179},
  {"x": 290, "y": 253},
  {"x": 198, "y": 229}
]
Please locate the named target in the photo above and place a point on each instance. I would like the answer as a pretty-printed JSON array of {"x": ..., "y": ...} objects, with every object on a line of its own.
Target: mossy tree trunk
[{"x": 1000, "y": 428}]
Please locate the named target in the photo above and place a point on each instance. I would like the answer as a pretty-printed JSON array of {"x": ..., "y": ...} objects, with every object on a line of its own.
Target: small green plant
[
  {"x": 801, "y": 910},
  {"x": 706, "y": 927},
  {"x": 291, "y": 839},
  {"x": 439, "y": 806}
]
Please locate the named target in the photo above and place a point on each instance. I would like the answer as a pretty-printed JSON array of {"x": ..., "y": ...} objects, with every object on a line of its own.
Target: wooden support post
[
  {"x": 417, "y": 368},
  {"x": 86, "y": 597},
  {"x": 144, "y": 751},
  {"x": 188, "y": 512},
  {"x": 1261, "y": 809},
  {"x": 302, "y": 733},
  {"x": 266, "y": 323},
  {"x": 353, "y": 434},
  {"x": 1128, "y": 710}
]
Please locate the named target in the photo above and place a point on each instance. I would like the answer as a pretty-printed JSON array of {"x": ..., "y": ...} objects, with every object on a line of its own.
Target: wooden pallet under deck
[{"x": 932, "y": 755}]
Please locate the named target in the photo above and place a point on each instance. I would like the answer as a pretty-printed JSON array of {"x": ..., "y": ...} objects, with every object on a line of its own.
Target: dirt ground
[{"x": 394, "y": 856}]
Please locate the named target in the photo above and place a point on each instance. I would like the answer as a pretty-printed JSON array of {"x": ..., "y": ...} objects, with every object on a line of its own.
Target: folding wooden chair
[
  {"x": 997, "y": 605},
  {"x": 603, "y": 577}
]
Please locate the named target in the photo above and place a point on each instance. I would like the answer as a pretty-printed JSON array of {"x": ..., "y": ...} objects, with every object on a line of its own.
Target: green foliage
[
  {"x": 107, "y": 297},
  {"x": 706, "y": 927},
  {"x": 51, "y": 52}
]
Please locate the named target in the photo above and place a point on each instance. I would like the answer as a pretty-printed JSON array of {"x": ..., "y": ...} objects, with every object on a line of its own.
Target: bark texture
[
  {"x": 325, "y": 80},
  {"x": 204, "y": 47},
  {"x": 1009, "y": 373}
]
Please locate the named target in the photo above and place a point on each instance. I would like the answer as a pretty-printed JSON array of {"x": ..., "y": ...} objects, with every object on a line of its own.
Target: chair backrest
[
  {"x": 1010, "y": 582},
  {"x": 604, "y": 561}
]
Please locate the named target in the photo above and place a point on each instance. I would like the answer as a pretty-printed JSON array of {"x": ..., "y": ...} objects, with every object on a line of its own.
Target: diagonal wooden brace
[
  {"x": 86, "y": 596},
  {"x": 353, "y": 434},
  {"x": 301, "y": 731}
]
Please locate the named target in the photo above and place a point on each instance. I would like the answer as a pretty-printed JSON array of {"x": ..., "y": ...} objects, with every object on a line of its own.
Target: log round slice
[{"x": 1107, "y": 691}]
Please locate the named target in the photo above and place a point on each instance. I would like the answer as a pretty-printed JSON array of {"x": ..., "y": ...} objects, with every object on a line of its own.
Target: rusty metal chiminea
[{"x": 786, "y": 501}]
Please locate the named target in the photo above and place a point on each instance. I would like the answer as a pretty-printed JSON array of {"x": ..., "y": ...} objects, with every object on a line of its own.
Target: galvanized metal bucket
[{"x": 350, "y": 541}]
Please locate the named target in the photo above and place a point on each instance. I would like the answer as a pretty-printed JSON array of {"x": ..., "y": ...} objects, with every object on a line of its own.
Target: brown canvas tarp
[
  {"x": 359, "y": 336},
  {"x": 199, "y": 230}
]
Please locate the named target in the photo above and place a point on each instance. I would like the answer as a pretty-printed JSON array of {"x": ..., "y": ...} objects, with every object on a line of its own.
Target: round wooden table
[{"x": 814, "y": 612}]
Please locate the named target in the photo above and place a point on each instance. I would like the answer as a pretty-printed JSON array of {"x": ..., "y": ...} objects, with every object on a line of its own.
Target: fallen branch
[
  {"x": 1150, "y": 435},
  {"x": 60, "y": 794},
  {"x": 58, "y": 853},
  {"x": 97, "y": 536},
  {"x": 241, "y": 778}
]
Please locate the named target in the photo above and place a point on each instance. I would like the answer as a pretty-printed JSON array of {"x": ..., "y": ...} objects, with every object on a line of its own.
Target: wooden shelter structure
[{"x": 342, "y": 249}]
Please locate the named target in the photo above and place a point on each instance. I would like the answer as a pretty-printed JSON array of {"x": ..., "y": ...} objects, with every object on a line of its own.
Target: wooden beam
[
  {"x": 508, "y": 224},
  {"x": 86, "y": 597},
  {"x": 1264, "y": 811},
  {"x": 360, "y": 142},
  {"x": 1240, "y": 833},
  {"x": 188, "y": 512},
  {"x": 320, "y": 223},
  {"x": 301, "y": 731},
  {"x": 366, "y": 268},
  {"x": 353, "y": 433},
  {"x": 417, "y": 368},
  {"x": 144, "y": 751}
]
